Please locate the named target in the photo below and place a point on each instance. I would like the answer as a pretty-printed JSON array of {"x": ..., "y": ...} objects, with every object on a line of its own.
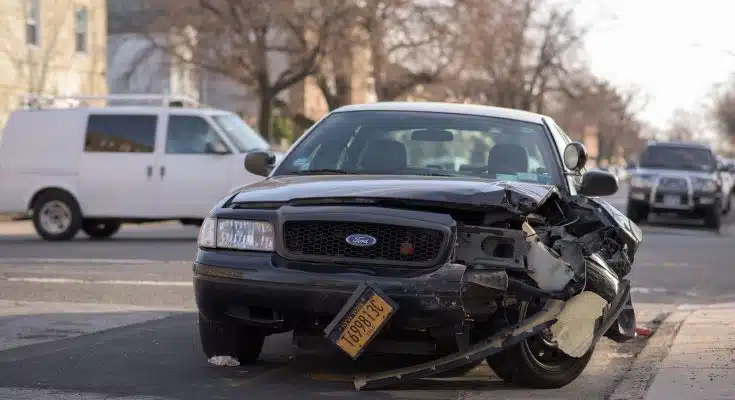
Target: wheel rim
[
  {"x": 542, "y": 349},
  {"x": 55, "y": 217}
]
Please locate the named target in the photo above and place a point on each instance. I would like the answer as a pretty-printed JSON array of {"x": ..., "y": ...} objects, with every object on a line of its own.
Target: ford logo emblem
[{"x": 360, "y": 240}]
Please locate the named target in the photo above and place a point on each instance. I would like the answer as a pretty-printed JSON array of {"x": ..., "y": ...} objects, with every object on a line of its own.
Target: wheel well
[{"x": 43, "y": 191}]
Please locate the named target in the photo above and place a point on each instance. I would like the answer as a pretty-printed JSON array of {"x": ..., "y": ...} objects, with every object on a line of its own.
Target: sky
[{"x": 674, "y": 51}]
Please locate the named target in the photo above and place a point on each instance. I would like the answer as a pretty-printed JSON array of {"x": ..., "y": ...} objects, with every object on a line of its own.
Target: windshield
[
  {"x": 425, "y": 143},
  {"x": 240, "y": 134},
  {"x": 678, "y": 157}
]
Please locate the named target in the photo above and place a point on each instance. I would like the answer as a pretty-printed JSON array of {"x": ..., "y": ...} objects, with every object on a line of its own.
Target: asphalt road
[{"x": 115, "y": 318}]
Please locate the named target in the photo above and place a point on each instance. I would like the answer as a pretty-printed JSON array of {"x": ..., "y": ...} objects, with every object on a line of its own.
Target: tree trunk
[{"x": 264, "y": 116}]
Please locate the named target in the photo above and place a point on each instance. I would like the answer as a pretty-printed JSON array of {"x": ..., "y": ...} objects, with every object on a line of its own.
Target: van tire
[
  {"x": 100, "y": 228},
  {"x": 56, "y": 204}
]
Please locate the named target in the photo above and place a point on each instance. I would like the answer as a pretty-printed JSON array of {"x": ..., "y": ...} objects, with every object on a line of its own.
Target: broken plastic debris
[
  {"x": 224, "y": 361},
  {"x": 574, "y": 329},
  {"x": 640, "y": 331},
  {"x": 546, "y": 268}
]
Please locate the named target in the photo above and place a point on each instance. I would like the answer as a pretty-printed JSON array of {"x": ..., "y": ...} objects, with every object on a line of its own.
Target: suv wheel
[
  {"x": 229, "y": 338},
  {"x": 713, "y": 218},
  {"x": 536, "y": 362},
  {"x": 56, "y": 216},
  {"x": 636, "y": 213},
  {"x": 100, "y": 229},
  {"x": 728, "y": 203}
]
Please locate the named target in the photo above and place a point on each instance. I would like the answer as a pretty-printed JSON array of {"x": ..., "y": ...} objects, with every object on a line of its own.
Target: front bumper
[
  {"x": 657, "y": 199},
  {"x": 263, "y": 289}
]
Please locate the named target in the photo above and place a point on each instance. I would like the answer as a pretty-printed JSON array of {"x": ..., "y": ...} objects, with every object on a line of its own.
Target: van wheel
[
  {"x": 100, "y": 228},
  {"x": 56, "y": 216}
]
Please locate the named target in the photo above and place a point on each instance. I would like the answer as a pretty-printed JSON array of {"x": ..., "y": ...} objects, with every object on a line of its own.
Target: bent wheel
[
  {"x": 100, "y": 229},
  {"x": 536, "y": 362},
  {"x": 229, "y": 338},
  {"x": 56, "y": 216}
]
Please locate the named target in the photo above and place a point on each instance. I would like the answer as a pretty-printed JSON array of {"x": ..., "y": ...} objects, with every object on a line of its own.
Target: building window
[
  {"x": 81, "y": 29},
  {"x": 33, "y": 23}
]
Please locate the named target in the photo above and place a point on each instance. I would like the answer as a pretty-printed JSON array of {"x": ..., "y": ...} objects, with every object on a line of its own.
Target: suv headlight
[
  {"x": 704, "y": 185},
  {"x": 641, "y": 181},
  {"x": 236, "y": 234}
]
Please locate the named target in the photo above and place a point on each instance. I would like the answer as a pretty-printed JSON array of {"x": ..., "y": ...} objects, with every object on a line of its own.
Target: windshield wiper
[
  {"x": 323, "y": 171},
  {"x": 438, "y": 174}
]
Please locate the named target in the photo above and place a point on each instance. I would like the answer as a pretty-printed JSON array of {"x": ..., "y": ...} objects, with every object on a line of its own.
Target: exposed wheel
[
  {"x": 713, "y": 218},
  {"x": 100, "y": 229},
  {"x": 229, "y": 338},
  {"x": 536, "y": 362},
  {"x": 56, "y": 215},
  {"x": 728, "y": 203},
  {"x": 636, "y": 213}
]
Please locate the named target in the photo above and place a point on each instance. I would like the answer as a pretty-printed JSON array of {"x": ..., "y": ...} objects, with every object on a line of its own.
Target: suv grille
[
  {"x": 394, "y": 243},
  {"x": 673, "y": 183}
]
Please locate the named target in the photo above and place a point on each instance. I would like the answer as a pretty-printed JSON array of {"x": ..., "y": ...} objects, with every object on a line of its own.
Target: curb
[{"x": 636, "y": 381}]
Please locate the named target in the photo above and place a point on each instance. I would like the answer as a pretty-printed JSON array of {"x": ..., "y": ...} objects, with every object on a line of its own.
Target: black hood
[{"x": 460, "y": 191}]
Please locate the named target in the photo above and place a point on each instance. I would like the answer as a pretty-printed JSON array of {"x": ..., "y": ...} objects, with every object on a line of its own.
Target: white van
[{"x": 92, "y": 169}]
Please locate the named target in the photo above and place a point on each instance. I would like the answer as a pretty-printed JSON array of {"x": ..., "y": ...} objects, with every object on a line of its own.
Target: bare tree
[
  {"x": 33, "y": 63},
  {"x": 684, "y": 125},
  {"x": 723, "y": 110},
  {"x": 266, "y": 46},
  {"x": 523, "y": 51}
]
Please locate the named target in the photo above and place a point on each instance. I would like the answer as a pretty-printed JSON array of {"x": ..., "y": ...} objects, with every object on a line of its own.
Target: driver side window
[{"x": 192, "y": 135}]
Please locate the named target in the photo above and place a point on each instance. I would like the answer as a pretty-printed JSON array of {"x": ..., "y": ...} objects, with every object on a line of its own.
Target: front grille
[
  {"x": 673, "y": 183},
  {"x": 328, "y": 240}
]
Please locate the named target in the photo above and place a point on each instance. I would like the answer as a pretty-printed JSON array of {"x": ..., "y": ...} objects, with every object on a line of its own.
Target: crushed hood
[{"x": 474, "y": 192}]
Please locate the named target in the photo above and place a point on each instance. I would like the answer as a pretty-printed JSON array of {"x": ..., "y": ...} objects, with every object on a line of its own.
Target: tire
[
  {"x": 520, "y": 365},
  {"x": 56, "y": 216},
  {"x": 713, "y": 218},
  {"x": 728, "y": 204},
  {"x": 100, "y": 229},
  {"x": 229, "y": 338},
  {"x": 635, "y": 213}
]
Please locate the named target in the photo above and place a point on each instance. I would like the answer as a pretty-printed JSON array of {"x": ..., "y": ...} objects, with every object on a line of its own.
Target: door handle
[
  {"x": 163, "y": 171},
  {"x": 149, "y": 171}
]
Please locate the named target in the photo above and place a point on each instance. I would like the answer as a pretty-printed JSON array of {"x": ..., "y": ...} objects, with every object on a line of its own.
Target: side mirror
[
  {"x": 598, "y": 183},
  {"x": 575, "y": 156},
  {"x": 260, "y": 162}
]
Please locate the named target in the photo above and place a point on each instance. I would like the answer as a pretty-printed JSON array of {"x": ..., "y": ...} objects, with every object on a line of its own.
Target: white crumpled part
[
  {"x": 224, "y": 361},
  {"x": 575, "y": 325},
  {"x": 545, "y": 266}
]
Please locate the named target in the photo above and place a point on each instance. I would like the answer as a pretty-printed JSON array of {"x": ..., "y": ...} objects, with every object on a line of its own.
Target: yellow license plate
[{"x": 361, "y": 320}]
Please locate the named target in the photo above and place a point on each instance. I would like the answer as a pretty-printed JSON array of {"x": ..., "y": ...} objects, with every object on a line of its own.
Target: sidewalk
[{"x": 701, "y": 362}]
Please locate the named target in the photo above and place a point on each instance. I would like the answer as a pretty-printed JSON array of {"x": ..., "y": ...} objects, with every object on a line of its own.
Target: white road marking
[
  {"x": 660, "y": 290},
  {"x": 127, "y": 261},
  {"x": 104, "y": 282},
  {"x": 716, "y": 306}
]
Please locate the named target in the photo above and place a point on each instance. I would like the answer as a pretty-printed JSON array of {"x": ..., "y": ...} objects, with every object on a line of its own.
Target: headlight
[
  {"x": 642, "y": 181},
  {"x": 236, "y": 234},
  {"x": 704, "y": 185}
]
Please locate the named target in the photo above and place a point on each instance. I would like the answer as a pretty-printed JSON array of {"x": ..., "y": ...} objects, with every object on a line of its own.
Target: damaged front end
[{"x": 574, "y": 254}]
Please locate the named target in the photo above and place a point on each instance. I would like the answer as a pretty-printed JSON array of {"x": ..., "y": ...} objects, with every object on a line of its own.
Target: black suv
[
  {"x": 454, "y": 231},
  {"x": 677, "y": 178}
]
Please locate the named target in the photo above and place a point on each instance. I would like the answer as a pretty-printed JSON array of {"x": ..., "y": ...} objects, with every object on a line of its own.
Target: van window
[
  {"x": 192, "y": 135},
  {"x": 120, "y": 133}
]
